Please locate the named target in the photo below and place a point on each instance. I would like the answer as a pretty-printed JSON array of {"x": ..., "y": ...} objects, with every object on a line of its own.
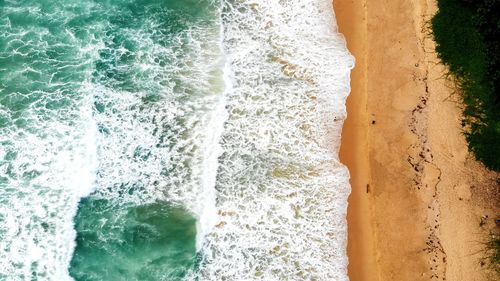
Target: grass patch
[
  {"x": 467, "y": 35},
  {"x": 493, "y": 253}
]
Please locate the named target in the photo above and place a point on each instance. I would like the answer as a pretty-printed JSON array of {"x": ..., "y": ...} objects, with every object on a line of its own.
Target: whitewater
[{"x": 172, "y": 140}]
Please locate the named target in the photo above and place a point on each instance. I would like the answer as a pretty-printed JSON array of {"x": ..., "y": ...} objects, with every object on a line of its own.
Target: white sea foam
[
  {"x": 207, "y": 217},
  {"x": 47, "y": 156},
  {"x": 158, "y": 141},
  {"x": 52, "y": 168},
  {"x": 281, "y": 191},
  {"x": 167, "y": 149}
]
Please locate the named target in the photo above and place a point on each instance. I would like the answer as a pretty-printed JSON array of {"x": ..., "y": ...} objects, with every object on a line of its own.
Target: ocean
[{"x": 172, "y": 140}]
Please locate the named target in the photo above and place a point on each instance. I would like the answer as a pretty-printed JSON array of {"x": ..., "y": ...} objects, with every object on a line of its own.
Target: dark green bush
[{"x": 467, "y": 34}]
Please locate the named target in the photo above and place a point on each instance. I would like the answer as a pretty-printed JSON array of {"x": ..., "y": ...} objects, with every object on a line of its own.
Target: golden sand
[{"x": 420, "y": 205}]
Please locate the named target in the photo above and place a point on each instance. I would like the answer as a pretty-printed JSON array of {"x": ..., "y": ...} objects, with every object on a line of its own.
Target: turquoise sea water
[
  {"x": 97, "y": 99},
  {"x": 171, "y": 140},
  {"x": 146, "y": 242}
]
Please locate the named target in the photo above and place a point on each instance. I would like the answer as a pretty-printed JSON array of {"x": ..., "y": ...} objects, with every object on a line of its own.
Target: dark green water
[{"x": 149, "y": 242}]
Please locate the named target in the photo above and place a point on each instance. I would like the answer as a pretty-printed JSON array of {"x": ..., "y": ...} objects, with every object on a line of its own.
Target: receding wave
[{"x": 281, "y": 191}]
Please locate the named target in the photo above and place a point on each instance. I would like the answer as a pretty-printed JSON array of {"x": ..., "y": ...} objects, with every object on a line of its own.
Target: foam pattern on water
[
  {"x": 119, "y": 98},
  {"x": 47, "y": 137},
  {"x": 281, "y": 191},
  {"x": 159, "y": 135}
]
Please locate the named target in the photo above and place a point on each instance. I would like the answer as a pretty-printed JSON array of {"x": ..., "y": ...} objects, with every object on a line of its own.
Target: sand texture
[{"x": 421, "y": 206}]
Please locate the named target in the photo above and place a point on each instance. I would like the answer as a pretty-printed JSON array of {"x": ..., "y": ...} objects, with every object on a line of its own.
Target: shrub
[{"x": 467, "y": 35}]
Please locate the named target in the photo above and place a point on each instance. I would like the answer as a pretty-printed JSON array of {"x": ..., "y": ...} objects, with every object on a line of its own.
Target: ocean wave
[{"x": 281, "y": 191}]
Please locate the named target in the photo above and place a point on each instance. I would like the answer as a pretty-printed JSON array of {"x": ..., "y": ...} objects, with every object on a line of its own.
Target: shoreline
[
  {"x": 354, "y": 143},
  {"x": 420, "y": 202}
]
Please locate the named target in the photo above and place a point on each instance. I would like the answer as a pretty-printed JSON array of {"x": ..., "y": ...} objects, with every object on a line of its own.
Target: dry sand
[{"x": 421, "y": 206}]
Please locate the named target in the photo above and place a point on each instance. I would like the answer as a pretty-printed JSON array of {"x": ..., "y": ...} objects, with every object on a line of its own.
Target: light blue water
[{"x": 172, "y": 140}]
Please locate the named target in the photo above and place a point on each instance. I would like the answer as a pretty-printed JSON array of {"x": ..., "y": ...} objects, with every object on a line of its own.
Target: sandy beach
[{"x": 421, "y": 206}]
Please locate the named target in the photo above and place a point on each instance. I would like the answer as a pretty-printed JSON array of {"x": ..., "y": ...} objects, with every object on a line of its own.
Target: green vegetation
[
  {"x": 493, "y": 249},
  {"x": 467, "y": 34}
]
